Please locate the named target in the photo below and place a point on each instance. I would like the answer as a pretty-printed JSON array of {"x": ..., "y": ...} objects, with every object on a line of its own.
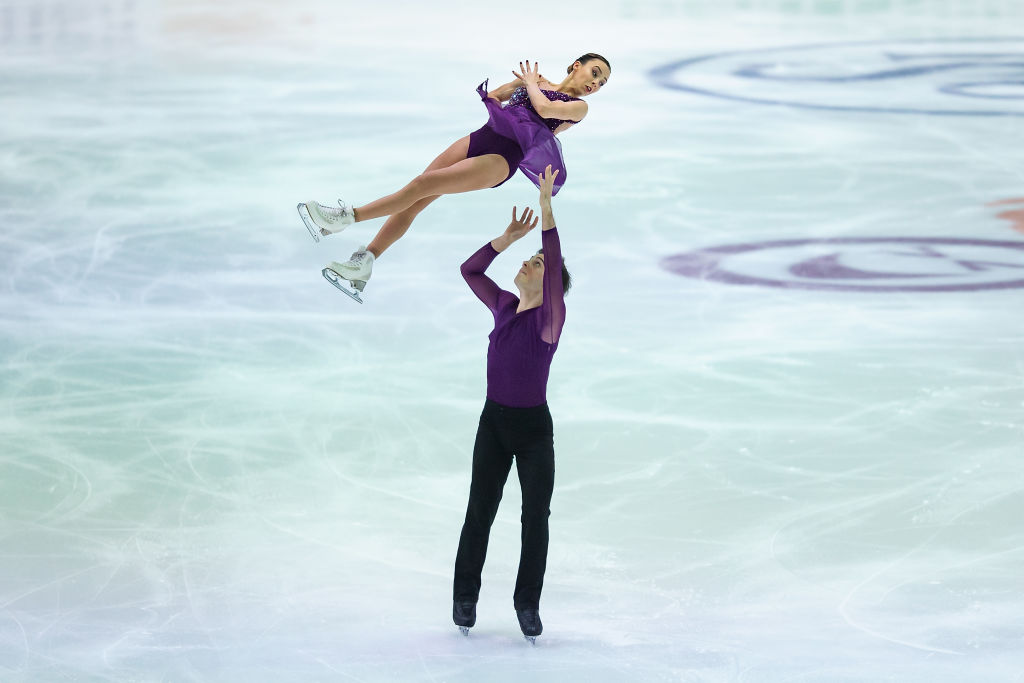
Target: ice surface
[{"x": 213, "y": 467}]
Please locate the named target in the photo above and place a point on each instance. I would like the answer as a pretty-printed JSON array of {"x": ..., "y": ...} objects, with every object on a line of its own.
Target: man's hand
[
  {"x": 520, "y": 226},
  {"x": 516, "y": 229},
  {"x": 547, "y": 183}
]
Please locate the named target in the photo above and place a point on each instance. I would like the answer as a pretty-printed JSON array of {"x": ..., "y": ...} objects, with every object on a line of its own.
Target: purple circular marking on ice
[
  {"x": 707, "y": 264},
  {"x": 666, "y": 76}
]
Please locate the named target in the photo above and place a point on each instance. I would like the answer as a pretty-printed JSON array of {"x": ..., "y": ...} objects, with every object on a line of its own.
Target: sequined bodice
[{"x": 521, "y": 98}]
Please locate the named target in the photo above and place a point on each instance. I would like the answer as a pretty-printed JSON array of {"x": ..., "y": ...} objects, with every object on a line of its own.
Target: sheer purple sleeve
[
  {"x": 473, "y": 272},
  {"x": 553, "y": 308}
]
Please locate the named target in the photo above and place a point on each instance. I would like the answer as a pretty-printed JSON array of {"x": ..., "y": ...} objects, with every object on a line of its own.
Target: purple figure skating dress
[{"x": 521, "y": 136}]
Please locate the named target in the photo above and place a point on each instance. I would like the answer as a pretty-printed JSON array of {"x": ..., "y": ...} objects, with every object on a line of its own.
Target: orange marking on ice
[{"x": 1015, "y": 216}]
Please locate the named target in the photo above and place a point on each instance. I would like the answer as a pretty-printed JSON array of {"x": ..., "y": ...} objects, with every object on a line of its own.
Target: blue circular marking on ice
[{"x": 1007, "y": 68}]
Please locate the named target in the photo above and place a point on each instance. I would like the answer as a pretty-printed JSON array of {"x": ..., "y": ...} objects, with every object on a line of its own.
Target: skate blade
[
  {"x": 314, "y": 230},
  {"x": 332, "y": 276},
  {"x": 532, "y": 639},
  {"x": 464, "y": 630}
]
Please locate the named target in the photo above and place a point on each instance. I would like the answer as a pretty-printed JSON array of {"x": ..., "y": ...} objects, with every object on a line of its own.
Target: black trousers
[{"x": 527, "y": 435}]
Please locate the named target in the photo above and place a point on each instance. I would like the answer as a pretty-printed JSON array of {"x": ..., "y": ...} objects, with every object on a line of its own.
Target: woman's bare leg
[
  {"x": 397, "y": 223},
  {"x": 451, "y": 175}
]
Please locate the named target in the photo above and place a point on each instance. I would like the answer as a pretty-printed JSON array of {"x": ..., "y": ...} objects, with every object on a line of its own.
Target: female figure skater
[
  {"x": 515, "y": 421},
  {"x": 520, "y": 135}
]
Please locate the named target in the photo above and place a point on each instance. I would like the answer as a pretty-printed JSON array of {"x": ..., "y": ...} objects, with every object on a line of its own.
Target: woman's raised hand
[
  {"x": 528, "y": 76},
  {"x": 520, "y": 226}
]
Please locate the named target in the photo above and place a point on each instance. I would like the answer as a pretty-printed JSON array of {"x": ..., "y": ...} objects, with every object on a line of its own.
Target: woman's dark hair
[
  {"x": 566, "y": 277},
  {"x": 589, "y": 57}
]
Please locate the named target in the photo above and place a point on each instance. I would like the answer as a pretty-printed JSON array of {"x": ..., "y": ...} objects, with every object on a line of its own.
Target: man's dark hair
[{"x": 566, "y": 277}]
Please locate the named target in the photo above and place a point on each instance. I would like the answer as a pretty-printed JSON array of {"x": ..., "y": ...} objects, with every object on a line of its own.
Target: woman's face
[
  {"x": 591, "y": 77},
  {"x": 530, "y": 277}
]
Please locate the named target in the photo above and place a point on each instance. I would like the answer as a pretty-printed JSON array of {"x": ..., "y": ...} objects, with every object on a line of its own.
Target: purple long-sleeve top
[{"x": 521, "y": 344}]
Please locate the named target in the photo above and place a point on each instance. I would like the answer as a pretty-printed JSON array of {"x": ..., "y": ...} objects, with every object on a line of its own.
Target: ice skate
[
  {"x": 350, "y": 277},
  {"x": 529, "y": 623},
  {"x": 464, "y": 615},
  {"x": 325, "y": 220}
]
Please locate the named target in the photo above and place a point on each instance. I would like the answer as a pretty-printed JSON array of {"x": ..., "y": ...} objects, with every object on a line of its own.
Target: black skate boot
[
  {"x": 529, "y": 622},
  {"x": 464, "y": 615}
]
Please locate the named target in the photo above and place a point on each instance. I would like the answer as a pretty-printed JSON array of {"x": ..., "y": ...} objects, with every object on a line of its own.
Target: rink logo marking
[
  {"x": 860, "y": 264},
  {"x": 946, "y": 77}
]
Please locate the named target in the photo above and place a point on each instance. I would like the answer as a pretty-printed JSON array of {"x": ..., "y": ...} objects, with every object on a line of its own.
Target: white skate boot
[
  {"x": 325, "y": 220},
  {"x": 350, "y": 277}
]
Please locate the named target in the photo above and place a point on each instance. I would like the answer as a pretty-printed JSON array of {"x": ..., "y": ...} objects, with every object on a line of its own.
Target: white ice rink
[{"x": 788, "y": 401}]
